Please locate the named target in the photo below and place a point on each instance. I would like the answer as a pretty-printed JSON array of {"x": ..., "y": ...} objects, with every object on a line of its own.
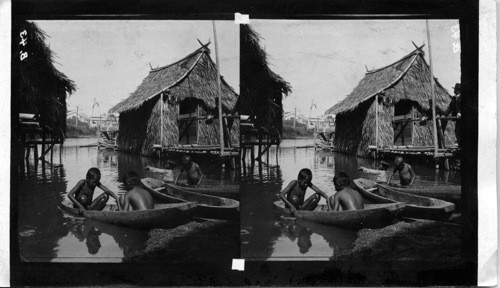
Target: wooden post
[
  {"x": 197, "y": 124},
  {"x": 60, "y": 153},
  {"x": 42, "y": 156},
  {"x": 161, "y": 123},
  {"x": 376, "y": 126},
  {"x": 432, "y": 94},
  {"x": 221, "y": 131},
  {"x": 252, "y": 155}
]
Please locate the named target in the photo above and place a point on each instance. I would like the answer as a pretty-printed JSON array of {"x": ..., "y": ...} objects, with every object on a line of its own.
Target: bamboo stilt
[{"x": 432, "y": 93}]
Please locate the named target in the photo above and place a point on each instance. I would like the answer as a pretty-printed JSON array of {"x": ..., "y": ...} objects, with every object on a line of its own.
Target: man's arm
[
  {"x": 71, "y": 195},
  {"x": 336, "y": 202},
  {"x": 198, "y": 169},
  {"x": 390, "y": 178},
  {"x": 112, "y": 194},
  {"x": 412, "y": 173},
  {"x": 126, "y": 203},
  {"x": 177, "y": 178},
  {"x": 283, "y": 194},
  {"x": 319, "y": 191}
]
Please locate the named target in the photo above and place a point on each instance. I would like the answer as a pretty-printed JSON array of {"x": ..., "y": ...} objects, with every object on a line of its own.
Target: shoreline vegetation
[
  {"x": 201, "y": 240},
  {"x": 300, "y": 131},
  {"x": 79, "y": 129},
  {"x": 422, "y": 241}
]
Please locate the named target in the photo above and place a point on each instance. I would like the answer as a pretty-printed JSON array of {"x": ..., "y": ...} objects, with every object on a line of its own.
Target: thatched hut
[
  {"x": 37, "y": 86},
  {"x": 261, "y": 89},
  {"x": 189, "y": 91},
  {"x": 403, "y": 90}
]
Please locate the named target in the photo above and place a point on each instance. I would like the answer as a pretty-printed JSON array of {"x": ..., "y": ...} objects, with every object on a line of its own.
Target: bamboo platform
[
  {"x": 200, "y": 149},
  {"x": 410, "y": 150}
]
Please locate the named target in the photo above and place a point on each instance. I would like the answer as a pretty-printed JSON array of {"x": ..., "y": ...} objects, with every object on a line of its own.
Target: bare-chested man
[
  {"x": 346, "y": 197},
  {"x": 406, "y": 174},
  {"x": 81, "y": 195},
  {"x": 293, "y": 195},
  {"x": 136, "y": 198},
  {"x": 193, "y": 170}
]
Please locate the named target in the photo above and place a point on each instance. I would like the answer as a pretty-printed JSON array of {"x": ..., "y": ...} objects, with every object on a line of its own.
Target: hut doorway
[
  {"x": 188, "y": 122},
  {"x": 403, "y": 124}
]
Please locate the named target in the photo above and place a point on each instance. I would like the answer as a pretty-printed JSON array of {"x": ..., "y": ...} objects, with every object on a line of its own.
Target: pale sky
[
  {"x": 108, "y": 59},
  {"x": 324, "y": 60}
]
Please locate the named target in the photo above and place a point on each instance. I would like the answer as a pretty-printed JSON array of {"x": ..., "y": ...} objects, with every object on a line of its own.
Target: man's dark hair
[
  {"x": 93, "y": 173},
  {"x": 303, "y": 173},
  {"x": 131, "y": 178},
  {"x": 341, "y": 179}
]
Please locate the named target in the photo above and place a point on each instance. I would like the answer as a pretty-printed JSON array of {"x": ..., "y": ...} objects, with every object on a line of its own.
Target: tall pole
[
  {"x": 76, "y": 118},
  {"x": 376, "y": 123},
  {"x": 434, "y": 128},
  {"x": 221, "y": 131},
  {"x": 161, "y": 121}
]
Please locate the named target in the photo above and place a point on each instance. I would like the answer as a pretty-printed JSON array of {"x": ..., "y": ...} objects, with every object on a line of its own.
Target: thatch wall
[
  {"x": 405, "y": 80},
  {"x": 140, "y": 129},
  {"x": 193, "y": 79},
  {"x": 261, "y": 89},
  {"x": 37, "y": 86}
]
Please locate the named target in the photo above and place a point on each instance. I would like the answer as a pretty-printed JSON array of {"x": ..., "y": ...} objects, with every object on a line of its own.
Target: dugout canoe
[
  {"x": 372, "y": 216},
  {"x": 226, "y": 191},
  {"x": 420, "y": 207},
  {"x": 207, "y": 206},
  {"x": 163, "y": 216},
  {"x": 449, "y": 193}
]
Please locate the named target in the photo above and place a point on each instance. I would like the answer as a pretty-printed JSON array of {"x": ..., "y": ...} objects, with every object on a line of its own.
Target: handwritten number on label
[
  {"x": 23, "y": 55},
  {"x": 456, "y": 47},
  {"x": 23, "y": 42}
]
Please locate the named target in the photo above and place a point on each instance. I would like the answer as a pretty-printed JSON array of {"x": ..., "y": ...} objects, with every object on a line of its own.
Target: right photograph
[{"x": 350, "y": 142}]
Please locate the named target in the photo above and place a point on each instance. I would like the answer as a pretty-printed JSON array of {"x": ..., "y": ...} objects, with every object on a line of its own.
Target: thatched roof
[
  {"x": 194, "y": 76},
  {"x": 38, "y": 87},
  {"x": 261, "y": 89},
  {"x": 405, "y": 79}
]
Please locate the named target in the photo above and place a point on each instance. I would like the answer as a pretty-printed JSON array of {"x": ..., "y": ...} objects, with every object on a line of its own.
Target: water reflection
[
  {"x": 47, "y": 234},
  {"x": 267, "y": 234}
]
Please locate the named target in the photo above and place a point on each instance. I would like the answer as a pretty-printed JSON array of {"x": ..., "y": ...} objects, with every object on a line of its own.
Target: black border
[{"x": 261, "y": 273}]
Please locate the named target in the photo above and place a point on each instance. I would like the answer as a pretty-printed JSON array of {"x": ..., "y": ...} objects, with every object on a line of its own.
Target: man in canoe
[
  {"x": 346, "y": 197},
  {"x": 293, "y": 195},
  {"x": 193, "y": 170},
  {"x": 406, "y": 174},
  {"x": 380, "y": 172},
  {"x": 81, "y": 195},
  {"x": 136, "y": 198}
]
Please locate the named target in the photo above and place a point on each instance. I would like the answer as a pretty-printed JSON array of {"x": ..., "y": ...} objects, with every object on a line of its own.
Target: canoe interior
[
  {"x": 396, "y": 196},
  {"x": 176, "y": 192},
  {"x": 225, "y": 191}
]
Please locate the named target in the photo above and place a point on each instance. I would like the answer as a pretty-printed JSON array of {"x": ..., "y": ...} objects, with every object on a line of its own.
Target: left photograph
[{"x": 125, "y": 140}]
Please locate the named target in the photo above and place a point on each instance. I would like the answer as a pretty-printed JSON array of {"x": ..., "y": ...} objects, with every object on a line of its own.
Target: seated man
[
  {"x": 136, "y": 198},
  {"x": 347, "y": 198},
  {"x": 81, "y": 195},
  {"x": 293, "y": 195}
]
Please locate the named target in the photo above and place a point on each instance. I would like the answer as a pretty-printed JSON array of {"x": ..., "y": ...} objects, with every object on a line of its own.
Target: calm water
[
  {"x": 47, "y": 234},
  {"x": 267, "y": 234}
]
